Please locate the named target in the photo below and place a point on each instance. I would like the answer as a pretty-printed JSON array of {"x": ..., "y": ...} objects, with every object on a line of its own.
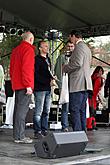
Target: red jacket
[
  {"x": 97, "y": 84},
  {"x": 22, "y": 66}
]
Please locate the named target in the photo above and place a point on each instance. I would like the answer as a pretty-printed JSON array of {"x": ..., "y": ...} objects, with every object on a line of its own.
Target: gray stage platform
[{"x": 96, "y": 152}]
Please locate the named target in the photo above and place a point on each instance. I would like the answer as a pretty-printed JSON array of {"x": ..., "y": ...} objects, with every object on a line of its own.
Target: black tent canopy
[{"x": 91, "y": 16}]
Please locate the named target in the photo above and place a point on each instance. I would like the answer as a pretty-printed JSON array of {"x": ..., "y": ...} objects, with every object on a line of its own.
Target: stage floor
[{"x": 96, "y": 152}]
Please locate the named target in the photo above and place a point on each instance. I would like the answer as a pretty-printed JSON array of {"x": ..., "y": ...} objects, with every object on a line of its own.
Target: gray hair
[{"x": 27, "y": 35}]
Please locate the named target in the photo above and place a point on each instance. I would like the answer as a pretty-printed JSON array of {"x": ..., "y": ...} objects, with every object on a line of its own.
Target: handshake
[{"x": 53, "y": 81}]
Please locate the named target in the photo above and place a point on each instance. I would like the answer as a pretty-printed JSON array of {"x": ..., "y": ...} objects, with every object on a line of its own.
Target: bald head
[{"x": 29, "y": 37}]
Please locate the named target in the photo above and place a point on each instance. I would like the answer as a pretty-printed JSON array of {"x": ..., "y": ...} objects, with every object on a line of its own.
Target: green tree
[{"x": 6, "y": 45}]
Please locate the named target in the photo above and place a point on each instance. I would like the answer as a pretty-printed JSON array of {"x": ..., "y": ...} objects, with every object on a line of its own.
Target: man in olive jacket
[{"x": 80, "y": 82}]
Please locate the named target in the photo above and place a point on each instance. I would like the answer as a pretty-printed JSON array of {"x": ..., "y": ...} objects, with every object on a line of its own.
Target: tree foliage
[{"x": 6, "y": 45}]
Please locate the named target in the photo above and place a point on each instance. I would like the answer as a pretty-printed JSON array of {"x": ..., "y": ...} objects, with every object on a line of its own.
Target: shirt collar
[{"x": 79, "y": 41}]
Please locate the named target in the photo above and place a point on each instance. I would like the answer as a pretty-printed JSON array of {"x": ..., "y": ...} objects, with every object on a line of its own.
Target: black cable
[
  {"x": 101, "y": 60},
  {"x": 58, "y": 47}
]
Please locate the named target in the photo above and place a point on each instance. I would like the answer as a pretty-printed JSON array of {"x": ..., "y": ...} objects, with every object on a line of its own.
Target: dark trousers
[
  {"x": 64, "y": 115},
  {"x": 77, "y": 107},
  {"x": 20, "y": 110}
]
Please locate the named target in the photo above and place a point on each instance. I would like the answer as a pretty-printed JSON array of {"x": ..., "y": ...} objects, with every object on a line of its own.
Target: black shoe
[
  {"x": 38, "y": 136},
  {"x": 89, "y": 129},
  {"x": 65, "y": 130},
  {"x": 95, "y": 128},
  {"x": 44, "y": 133}
]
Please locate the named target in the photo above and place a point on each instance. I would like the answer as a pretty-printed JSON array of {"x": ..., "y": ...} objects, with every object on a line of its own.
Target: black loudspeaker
[
  {"x": 57, "y": 145},
  {"x": 102, "y": 116}
]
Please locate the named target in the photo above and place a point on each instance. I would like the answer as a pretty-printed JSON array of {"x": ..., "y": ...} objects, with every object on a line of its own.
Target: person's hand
[
  {"x": 55, "y": 77},
  {"x": 29, "y": 91},
  {"x": 53, "y": 83}
]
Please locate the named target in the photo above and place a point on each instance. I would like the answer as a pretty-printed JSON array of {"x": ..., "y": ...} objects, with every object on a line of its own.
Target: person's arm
[
  {"x": 97, "y": 86},
  {"x": 28, "y": 70}
]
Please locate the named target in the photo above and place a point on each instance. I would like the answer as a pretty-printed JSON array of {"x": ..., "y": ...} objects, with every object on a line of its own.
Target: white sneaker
[
  {"x": 26, "y": 140},
  {"x": 10, "y": 126},
  {"x": 4, "y": 126},
  {"x": 7, "y": 126}
]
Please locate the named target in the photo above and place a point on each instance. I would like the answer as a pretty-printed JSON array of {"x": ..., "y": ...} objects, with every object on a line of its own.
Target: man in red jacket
[{"x": 22, "y": 79}]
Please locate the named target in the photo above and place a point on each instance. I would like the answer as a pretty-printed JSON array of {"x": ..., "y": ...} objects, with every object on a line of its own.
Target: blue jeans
[
  {"x": 64, "y": 115},
  {"x": 41, "y": 112},
  {"x": 77, "y": 107}
]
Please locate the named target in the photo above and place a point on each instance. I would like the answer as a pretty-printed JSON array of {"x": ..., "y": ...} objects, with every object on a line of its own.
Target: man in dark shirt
[{"x": 42, "y": 90}]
